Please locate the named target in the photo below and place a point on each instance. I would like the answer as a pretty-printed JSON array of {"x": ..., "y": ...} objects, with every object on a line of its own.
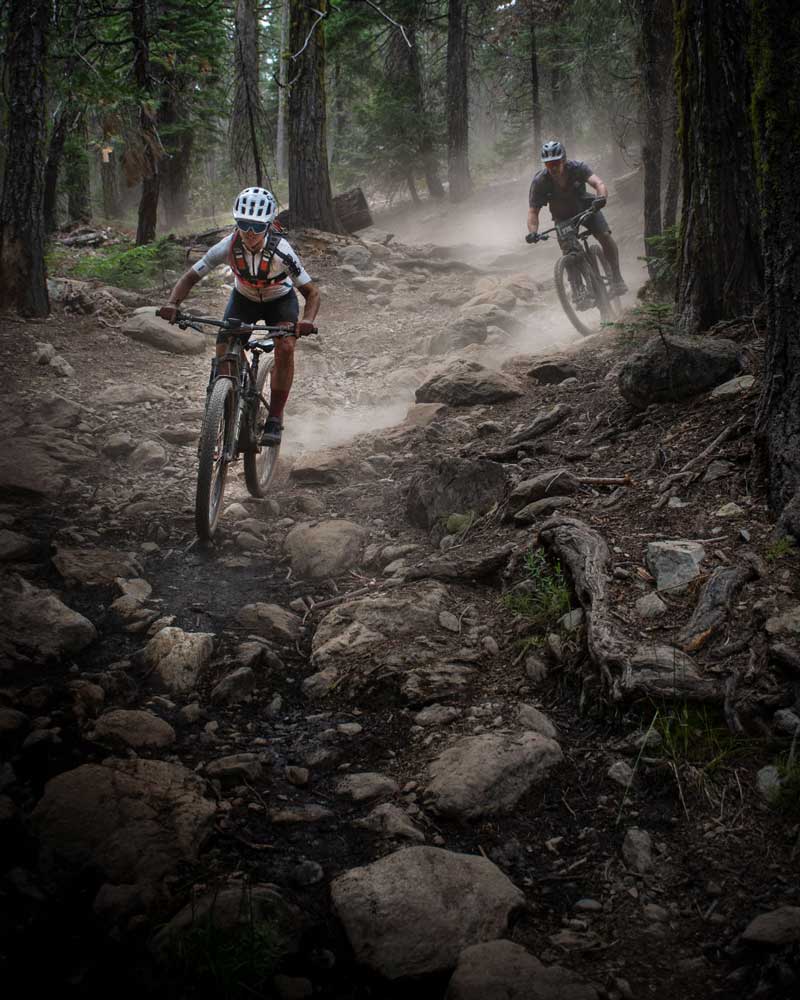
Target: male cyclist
[
  {"x": 265, "y": 269},
  {"x": 562, "y": 186}
]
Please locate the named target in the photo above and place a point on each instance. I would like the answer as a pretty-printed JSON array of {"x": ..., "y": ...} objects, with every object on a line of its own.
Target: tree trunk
[
  {"x": 150, "y": 151},
  {"x": 282, "y": 150},
  {"x": 176, "y": 166},
  {"x": 403, "y": 70},
  {"x": 23, "y": 283},
  {"x": 247, "y": 115},
  {"x": 777, "y": 129},
  {"x": 653, "y": 18},
  {"x": 109, "y": 181},
  {"x": 310, "y": 201},
  {"x": 76, "y": 173},
  {"x": 672, "y": 191},
  {"x": 720, "y": 271},
  {"x": 536, "y": 102},
  {"x": 457, "y": 102},
  {"x": 55, "y": 154}
]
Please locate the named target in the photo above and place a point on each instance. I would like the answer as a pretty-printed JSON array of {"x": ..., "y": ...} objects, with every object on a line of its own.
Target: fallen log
[{"x": 352, "y": 210}]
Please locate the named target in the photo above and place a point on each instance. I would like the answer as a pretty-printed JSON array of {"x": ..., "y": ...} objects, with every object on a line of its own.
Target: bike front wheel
[
  {"x": 613, "y": 306},
  {"x": 212, "y": 465},
  {"x": 564, "y": 288},
  {"x": 259, "y": 466}
]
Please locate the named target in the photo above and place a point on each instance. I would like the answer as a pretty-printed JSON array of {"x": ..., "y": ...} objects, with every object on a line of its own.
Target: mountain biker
[
  {"x": 562, "y": 186},
  {"x": 266, "y": 270}
]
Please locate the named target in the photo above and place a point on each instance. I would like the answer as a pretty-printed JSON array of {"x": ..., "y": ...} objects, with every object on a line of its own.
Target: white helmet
[{"x": 256, "y": 205}]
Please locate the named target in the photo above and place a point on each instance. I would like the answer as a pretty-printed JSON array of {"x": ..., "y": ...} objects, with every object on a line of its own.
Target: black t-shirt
[{"x": 564, "y": 203}]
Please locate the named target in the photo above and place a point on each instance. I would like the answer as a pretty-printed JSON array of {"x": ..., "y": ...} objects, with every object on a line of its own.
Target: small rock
[
  {"x": 297, "y": 775},
  {"x": 768, "y": 782},
  {"x": 235, "y": 687},
  {"x": 531, "y": 718},
  {"x": 235, "y": 767},
  {"x": 366, "y": 785},
  {"x": 777, "y": 927},
  {"x": 449, "y": 621},
  {"x": 637, "y": 851},
  {"x": 621, "y": 772},
  {"x": 729, "y": 510},
  {"x": 650, "y": 606}
]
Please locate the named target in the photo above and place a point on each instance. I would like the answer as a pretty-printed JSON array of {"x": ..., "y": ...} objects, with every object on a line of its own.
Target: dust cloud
[{"x": 487, "y": 232}]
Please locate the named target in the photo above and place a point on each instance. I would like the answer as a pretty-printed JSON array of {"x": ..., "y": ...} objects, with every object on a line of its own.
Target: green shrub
[
  {"x": 546, "y": 596},
  {"x": 135, "y": 268}
]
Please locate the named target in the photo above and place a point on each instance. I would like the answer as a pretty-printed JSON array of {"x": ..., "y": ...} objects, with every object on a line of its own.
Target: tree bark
[
  {"x": 457, "y": 102},
  {"x": 777, "y": 130},
  {"x": 403, "y": 70},
  {"x": 720, "y": 272},
  {"x": 55, "y": 154},
  {"x": 282, "y": 150},
  {"x": 536, "y": 102},
  {"x": 310, "y": 202},
  {"x": 247, "y": 116},
  {"x": 109, "y": 181},
  {"x": 653, "y": 18},
  {"x": 150, "y": 151},
  {"x": 673, "y": 187},
  {"x": 76, "y": 174},
  {"x": 23, "y": 283}
]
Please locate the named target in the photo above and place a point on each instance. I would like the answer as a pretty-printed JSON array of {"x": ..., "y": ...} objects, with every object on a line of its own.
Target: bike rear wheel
[
  {"x": 212, "y": 466},
  {"x": 259, "y": 467},
  {"x": 564, "y": 289}
]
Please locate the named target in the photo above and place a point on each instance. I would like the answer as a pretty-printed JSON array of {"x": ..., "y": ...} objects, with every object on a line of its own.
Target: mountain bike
[
  {"x": 582, "y": 274},
  {"x": 237, "y": 405}
]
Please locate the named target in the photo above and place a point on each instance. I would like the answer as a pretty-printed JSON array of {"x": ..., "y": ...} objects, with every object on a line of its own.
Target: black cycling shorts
[
  {"x": 596, "y": 223},
  {"x": 286, "y": 309}
]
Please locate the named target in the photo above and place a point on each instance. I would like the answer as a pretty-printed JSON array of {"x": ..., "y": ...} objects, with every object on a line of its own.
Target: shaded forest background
[{"x": 151, "y": 114}]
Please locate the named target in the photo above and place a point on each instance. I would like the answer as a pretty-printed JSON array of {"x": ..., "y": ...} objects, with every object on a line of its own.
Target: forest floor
[{"x": 720, "y": 856}]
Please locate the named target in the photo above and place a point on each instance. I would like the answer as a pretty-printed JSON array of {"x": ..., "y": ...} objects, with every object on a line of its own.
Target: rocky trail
[{"x": 486, "y": 700}]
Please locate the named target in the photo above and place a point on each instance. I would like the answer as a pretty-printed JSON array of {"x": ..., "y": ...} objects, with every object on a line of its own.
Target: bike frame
[{"x": 244, "y": 373}]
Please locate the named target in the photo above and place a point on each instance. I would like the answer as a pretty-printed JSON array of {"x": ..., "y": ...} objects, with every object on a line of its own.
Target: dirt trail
[{"x": 718, "y": 857}]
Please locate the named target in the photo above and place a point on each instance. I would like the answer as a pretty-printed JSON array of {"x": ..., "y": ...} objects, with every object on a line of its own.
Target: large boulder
[
  {"x": 176, "y": 659},
  {"x": 94, "y": 567},
  {"x": 37, "y": 624},
  {"x": 454, "y": 485},
  {"x": 133, "y": 820},
  {"x": 148, "y": 328},
  {"x": 29, "y": 470},
  {"x": 318, "y": 551},
  {"x": 270, "y": 621},
  {"x": 318, "y": 468},
  {"x": 488, "y": 774},
  {"x": 673, "y": 368},
  {"x": 467, "y": 383},
  {"x": 413, "y": 912},
  {"x": 503, "y": 970},
  {"x": 133, "y": 728}
]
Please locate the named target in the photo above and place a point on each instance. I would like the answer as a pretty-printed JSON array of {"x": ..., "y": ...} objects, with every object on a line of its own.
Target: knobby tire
[
  {"x": 613, "y": 305},
  {"x": 259, "y": 467},
  {"x": 564, "y": 292},
  {"x": 212, "y": 469}
]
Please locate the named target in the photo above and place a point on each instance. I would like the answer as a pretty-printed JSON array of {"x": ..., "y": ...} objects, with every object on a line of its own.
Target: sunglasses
[{"x": 251, "y": 227}]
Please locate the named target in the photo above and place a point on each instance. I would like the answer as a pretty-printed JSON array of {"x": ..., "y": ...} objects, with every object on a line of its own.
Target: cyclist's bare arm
[
  {"x": 183, "y": 286},
  {"x": 310, "y": 293},
  {"x": 533, "y": 220},
  {"x": 598, "y": 184}
]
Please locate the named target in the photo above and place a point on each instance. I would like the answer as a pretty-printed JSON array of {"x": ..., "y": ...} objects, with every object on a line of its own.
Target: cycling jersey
[
  {"x": 260, "y": 276},
  {"x": 563, "y": 202}
]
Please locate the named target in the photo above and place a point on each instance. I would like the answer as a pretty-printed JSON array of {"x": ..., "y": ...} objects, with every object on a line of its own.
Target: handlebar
[
  {"x": 576, "y": 219},
  {"x": 235, "y": 326}
]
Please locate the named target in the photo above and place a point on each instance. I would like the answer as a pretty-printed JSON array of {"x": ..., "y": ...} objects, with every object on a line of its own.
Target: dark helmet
[{"x": 553, "y": 150}]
